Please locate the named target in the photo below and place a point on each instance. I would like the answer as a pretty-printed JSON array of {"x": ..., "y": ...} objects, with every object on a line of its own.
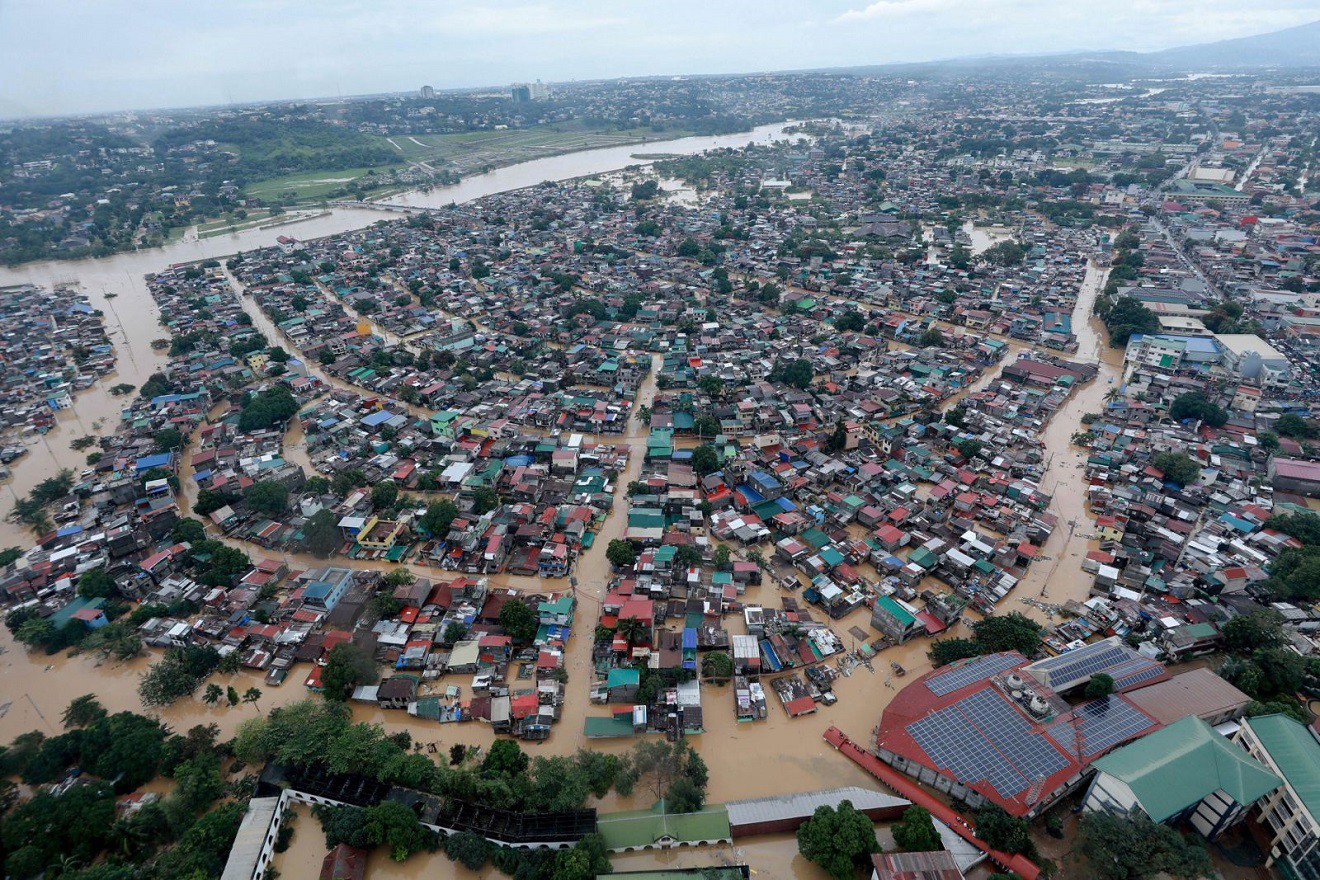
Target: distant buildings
[
  {"x": 523, "y": 93},
  {"x": 426, "y": 93}
]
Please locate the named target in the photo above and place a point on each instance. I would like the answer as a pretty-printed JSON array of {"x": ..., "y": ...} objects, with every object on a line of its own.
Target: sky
[{"x": 63, "y": 57}]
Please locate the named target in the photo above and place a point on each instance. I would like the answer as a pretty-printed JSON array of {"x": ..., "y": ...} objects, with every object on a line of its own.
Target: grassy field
[
  {"x": 478, "y": 149},
  {"x": 464, "y": 153},
  {"x": 308, "y": 186}
]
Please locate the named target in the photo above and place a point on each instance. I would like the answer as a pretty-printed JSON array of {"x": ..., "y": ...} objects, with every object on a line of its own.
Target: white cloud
[{"x": 894, "y": 9}]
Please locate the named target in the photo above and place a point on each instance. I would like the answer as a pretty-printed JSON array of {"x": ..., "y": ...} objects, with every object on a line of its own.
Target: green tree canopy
[
  {"x": 840, "y": 841},
  {"x": 916, "y": 833},
  {"x": 1136, "y": 848}
]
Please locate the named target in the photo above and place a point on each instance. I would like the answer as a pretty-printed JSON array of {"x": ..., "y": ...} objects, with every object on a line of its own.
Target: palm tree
[
  {"x": 213, "y": 694},
  {"x": 1113, "y": 394},
  {"x": 632, "y": 629},
  {"x": 253, "y": 695}
]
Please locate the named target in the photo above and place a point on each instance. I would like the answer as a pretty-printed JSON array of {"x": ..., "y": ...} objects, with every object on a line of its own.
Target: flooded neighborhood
[{"x": 689, "y": 509}]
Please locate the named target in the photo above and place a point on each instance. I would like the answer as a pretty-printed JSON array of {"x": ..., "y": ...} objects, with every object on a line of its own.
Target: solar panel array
[
  {"x": 1110, "y": 657},
  {"x": 1154, "y": 670},
  {"x": 1081, "y": 663},
  {"x": 970, "y": 673},
  {"x": 1102, "y": 724},
  {"x": 982, "y": 737}
]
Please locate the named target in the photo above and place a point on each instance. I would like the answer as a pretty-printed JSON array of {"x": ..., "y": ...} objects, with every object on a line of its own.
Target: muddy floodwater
[{"x": 752, "y": 759}]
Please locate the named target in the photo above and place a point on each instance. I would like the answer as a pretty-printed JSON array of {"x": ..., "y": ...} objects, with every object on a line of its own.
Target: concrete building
[
  {"x": 1251, "y": 358},
  {"x": 1184, "y": 772},
  {"x": 1292, "y": 812},
  {"x": 426, "y": 93},
  {"x": 1197, "y": 692}
]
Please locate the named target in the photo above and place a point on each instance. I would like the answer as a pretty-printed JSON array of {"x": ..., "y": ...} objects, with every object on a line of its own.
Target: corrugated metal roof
[
  {"x": 1294, "y": 750},
  {"x": 1197, "y": 692},
  {"x": 794, "y": 806}
]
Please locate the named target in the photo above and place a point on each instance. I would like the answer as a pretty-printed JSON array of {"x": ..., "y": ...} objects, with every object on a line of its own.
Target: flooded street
[{"x": 1061, "y": 578}]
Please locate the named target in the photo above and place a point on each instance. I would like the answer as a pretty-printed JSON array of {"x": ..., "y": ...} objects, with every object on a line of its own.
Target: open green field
[
  {"x": 307, "y": 186},
  {"x": 463, "y": 154},
  {"x": 475, "y": 151}
]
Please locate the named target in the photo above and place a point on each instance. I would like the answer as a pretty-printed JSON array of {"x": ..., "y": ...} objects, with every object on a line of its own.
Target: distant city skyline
[{"x": 59, "y": 57}]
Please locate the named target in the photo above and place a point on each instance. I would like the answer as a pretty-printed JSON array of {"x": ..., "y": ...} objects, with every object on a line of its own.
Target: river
[{"x": 116, "y": 285}]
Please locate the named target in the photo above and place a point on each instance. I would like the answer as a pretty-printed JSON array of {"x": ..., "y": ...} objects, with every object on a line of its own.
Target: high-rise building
[
  {"x": 521, "y": 93},
  {"x": 427, "y": 92}
]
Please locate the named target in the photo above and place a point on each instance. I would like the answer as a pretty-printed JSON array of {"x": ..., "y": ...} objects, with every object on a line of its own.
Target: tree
[
  {"x": 705, "y": 460},
  {"x": 505, "y": 759},
  {"x": 321, "y": 535},
  {"x": 383, "y": 495},
  {"x": 83, "y": 711},
  {"x": 916, "y": 833},
  {"x": 706, "y": 426},
  {"x": 1004, "y": 253},
  {"x": 438, "y": 517},
  {"x": 213, "y": 694},
  {"x": 722, "y": 556},
  {"x": 484, "y": 500},
  {"x": 188, "y": 531},
  {"x": 621, "y": 553},
  {"x": 1247, "y": 633},
  {"x": 969, "y": 448},
  {"x": 1296, "y": 574},
  {"x": 717, "y": 666},
  {"x": 168, "y": 439},
  {"x": 270, "y": 497},
  {"x": 1178, "y": 467},
  {"x": 840, "y": 841},
  {"x": 1002, "y": 831},
  {"x": 1302, "y": 525},
  {"x": 519, "y": 622},
  {"x": 945, "y": 651},
  {"x": 253, "y": 695},
  {"x": 797, "y": 373},
  {"x": 1195, "y": 405},
  {"x": 1296, "y": 427},
  {"x": 232, "y": 696},
  {"x": 347, "y": 667},
  {"x": 97, "y": 584},
  {"x": 268, "y": 408},
  {"x": 932, "y": 338},
  {"x": 1008, "y": 632},
  {"x": 1100, "y": 685},
  {"x": 684, "y": 797},
  {"x": 838, "y": 439},
  {"x": 1135, "y": 848},
  {"x": 1128, "y": 316}
]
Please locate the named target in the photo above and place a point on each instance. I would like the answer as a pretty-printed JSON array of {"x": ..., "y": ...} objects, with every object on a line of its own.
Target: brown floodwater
[{"x": 753, "y": 759}]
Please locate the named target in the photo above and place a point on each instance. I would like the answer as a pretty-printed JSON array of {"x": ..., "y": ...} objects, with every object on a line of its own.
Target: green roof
[
  {"x": 623, "y": 677},
  {"x": 1174, "y": 768},
  {"x": 638, "y": 828},
  {"x": 1295, "y": 752},
  {"x": 898, "y": 611},
  {"x": 606, "y": 728}
]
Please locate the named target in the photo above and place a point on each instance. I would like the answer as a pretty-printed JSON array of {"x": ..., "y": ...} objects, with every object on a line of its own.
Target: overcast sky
[{"x": 78, "y": 56}]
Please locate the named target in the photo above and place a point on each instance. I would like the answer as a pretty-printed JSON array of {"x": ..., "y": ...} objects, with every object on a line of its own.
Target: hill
[{"x": 1293, "y": 47}]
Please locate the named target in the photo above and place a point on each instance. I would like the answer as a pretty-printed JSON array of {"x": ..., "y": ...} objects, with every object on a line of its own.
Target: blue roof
[
  {"x": 377, "y": 418},
  {"x": 147, "y": 462},
  {"x": 689, "y": 639},
  {"x": 784, "y": 504},
  {"x": 68, "y": 530}
]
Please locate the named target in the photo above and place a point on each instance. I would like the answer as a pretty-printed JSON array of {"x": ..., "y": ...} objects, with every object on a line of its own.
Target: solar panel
[
  {"x": 982, "y": 737},
  {"x": 971, "y": 672},
  {"x": 1152, "y": 671},
  {"x": 1079, "y": 664},
  {"x": 1102, "y": 724}
]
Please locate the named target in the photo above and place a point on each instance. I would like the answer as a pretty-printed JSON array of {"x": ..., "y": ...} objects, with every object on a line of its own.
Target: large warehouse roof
[{"x": 994, "y": 729}]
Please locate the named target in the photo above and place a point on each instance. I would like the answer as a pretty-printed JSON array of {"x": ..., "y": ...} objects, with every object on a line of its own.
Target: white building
[{"x": 1290, "y": 750}]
